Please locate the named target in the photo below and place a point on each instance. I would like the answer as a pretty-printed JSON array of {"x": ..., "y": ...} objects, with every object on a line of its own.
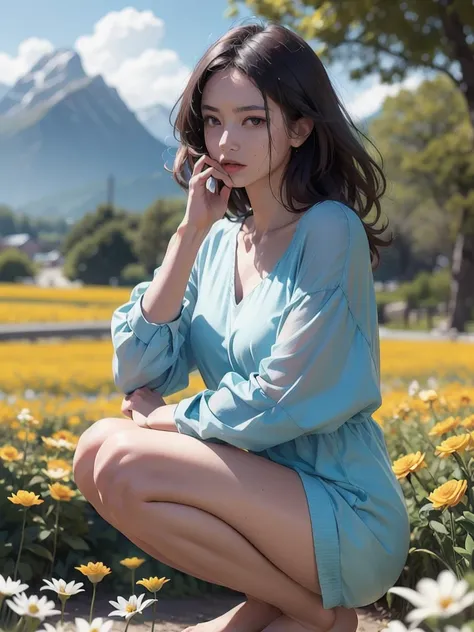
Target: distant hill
[{"x": 61, "y": 129}]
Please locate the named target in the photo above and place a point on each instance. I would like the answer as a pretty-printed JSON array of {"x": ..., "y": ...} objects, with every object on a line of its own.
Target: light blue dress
[{"x": 292, "y": 373}]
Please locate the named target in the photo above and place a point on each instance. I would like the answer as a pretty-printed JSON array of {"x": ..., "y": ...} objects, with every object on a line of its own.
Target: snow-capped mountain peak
[{"x": 51, "y": 74}]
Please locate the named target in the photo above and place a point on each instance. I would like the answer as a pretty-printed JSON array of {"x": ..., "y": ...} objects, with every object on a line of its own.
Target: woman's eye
[{"x": 207, "y": 119}]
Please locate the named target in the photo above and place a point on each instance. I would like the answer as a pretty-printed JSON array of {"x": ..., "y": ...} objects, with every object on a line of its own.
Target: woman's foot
[
  {"x": 346, "y": 621},
  {"x": 249, "y": 616}
]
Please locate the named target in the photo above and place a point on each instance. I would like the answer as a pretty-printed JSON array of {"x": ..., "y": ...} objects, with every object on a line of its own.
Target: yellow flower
[
  {"x": 58, "y": 469},
  {"x": 408, "y": 464},
  {"x": 442, "y": 427},
  {"x": 465, "y": 400},
  {"x": 132, "y": 562},
  {"x": 74, "y": 420},
  {"x": 468, "y": 423},
  {"x": 454, "y": 444},
  {"x": 402, "y": 411},
  {"x": 153, "y": 584},
  {"x": 95, "y": 571},
  {"x": 59, "y": 464},
  {"x": 22, "y": 435},
  {"x": 58, "y": 443},
  {"x": 61, "y": 492},
  {"x": 27, "y": 499},
  {"x": 66, "y": 435},
  {"x": 448, "y": 495},
  {"x": 10, "y": 453},
  {"x": 428, "y": 396}
]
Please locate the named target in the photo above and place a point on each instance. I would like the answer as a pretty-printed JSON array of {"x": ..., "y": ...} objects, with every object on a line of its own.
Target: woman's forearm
[{"x": 162, "y": 418}]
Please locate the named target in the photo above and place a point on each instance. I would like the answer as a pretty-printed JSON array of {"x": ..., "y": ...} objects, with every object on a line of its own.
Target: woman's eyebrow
[{"x": 242, "y": 108}]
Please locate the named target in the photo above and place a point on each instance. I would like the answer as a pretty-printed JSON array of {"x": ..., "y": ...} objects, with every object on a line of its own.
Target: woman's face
[{"x": 242, "y": 136}]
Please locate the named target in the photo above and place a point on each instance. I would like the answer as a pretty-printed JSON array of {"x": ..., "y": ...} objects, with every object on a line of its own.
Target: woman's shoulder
[{"x": 334, "y": 245}]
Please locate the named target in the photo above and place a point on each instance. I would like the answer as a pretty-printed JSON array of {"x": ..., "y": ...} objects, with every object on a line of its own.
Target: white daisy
[
  {"x": 24, "y": 416},
  {"x": 97, "y": 625},
  {"x": 414, "y": 388},
  {"x": 8, "y": 587},
  {"x": 131, "y": 607},
  {"x": 432, "y": 382},
  {"x": 48, "y": 627},
  {"x": 60, "y": 587},
  {"x": 441, "y": 598},
  {"x": 32, "y": 606}
]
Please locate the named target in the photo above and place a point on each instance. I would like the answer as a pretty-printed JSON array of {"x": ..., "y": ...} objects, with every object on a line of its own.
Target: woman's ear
[{"x": 302, "y": 128}]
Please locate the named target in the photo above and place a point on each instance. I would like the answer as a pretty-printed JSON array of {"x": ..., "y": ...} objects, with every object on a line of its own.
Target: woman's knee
[{"x": 88, "y": 445}]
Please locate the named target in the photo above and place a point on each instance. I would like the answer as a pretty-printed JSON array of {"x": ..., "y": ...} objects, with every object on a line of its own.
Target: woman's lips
[{"x": 232, "y": 168}]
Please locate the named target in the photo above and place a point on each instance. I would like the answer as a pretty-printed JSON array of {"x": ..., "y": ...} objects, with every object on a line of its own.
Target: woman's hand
[
  {"x": 140, "y": 404},
  {"x": 204, "y": 207}
]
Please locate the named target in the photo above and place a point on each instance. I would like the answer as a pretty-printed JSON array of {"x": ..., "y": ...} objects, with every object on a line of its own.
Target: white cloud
[
  {"x": 370, "y": 100},
  {"x": 124, "y": 49},
  {"x": 29, "y": 52}
]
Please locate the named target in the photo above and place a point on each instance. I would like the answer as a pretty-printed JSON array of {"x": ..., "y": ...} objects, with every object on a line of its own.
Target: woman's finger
[{"x": 212, "y": 171}]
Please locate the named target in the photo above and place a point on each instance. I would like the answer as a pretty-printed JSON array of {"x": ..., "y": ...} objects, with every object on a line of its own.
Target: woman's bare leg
[{"x": 251, "y": 615}]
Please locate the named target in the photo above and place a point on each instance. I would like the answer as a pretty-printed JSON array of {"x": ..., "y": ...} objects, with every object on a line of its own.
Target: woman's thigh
[{"x": 263, "y": 500}]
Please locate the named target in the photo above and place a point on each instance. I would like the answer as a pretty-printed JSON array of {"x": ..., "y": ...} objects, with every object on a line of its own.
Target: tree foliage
[
  {"x": 99, "y": 258},
  {"x": 157, "y": 225},
  {"x": 15, "y": 265}
]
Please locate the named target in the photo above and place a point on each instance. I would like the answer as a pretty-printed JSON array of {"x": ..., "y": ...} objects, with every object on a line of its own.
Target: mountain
[
  {"x": 3, "y": 90},
  {"x": 156, "y": 119},
  {"x": 61, "y": 129},
  {"x": 133, "y": 194}
]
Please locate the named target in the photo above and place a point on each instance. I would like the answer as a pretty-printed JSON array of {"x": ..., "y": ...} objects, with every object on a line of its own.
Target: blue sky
[{"x": 144, "y": 48}]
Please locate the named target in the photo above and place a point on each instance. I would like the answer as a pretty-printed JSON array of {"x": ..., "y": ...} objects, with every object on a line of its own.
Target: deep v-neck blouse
[{"x": 291, "y": 374}]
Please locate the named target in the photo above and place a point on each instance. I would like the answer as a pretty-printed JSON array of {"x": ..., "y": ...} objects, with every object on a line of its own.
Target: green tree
[
  {"x": 101, "y": 257},
  {"x": 15, "y": 265},
  {"x": 157, "y": 225},
  {"x": 7, "y": 221},
  {"x": 390, "y": 39},
  {"x": 91, "y": 222},
  {"x": 424, "y": 136}
]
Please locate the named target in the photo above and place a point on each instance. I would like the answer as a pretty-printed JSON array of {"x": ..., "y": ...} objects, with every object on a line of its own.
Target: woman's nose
[{"x": 228, "y": 142}]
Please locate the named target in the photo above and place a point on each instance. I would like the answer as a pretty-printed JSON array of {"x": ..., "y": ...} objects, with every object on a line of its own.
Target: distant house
[{"x": 21, "y": 241}]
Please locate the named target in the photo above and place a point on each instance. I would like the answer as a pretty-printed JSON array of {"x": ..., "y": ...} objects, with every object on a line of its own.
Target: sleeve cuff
[
  {"x": 180, "y": 417},
  {"x": 143, "y": 329}
]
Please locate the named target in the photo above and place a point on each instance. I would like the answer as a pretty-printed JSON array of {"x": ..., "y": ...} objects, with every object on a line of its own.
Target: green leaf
[
  {"x": 469, "y": 544},
  {"x": 461, "y": 551},
  {"x": 438, "y": 526},
  {"x": 5, "y": 548},
  {"x": 75, "y": 542},
  {"x": 35, "y": 480},
  {"x": 44, "y": 534},
  {"x": 467, "y": 525},
  {"x": 469, "y": 516},
  {"x": 39, "y": 550}
]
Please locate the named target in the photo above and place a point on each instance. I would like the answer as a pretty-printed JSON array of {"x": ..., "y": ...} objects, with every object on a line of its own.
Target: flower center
[
  {"x": 33, "y": 608},
  {"x": 130, "y": 608},
  {"x": 445, "y": 602}
]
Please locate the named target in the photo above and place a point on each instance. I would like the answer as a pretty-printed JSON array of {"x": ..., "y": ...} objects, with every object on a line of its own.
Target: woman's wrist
[{"x": 162, "y": 418}]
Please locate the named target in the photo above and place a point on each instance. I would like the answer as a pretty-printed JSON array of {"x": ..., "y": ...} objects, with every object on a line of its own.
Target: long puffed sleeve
[
  {"x": 154, "y": 355},
  {"x": 320, "y": 374}
]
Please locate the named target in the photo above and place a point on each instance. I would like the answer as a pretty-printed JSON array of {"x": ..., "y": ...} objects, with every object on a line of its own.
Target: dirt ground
[{"x": 174, "y": 615}]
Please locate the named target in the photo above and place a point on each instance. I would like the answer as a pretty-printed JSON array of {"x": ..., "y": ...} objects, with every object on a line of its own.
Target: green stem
[
  {"x": 94, "y": 588},
  {"x": 25, "y": 449},
  {"x": 453, "y": 537},
  {"x": 465, "y": 471},
  {"x": 55, "y": 542},
  {"x": 154, "y": 613},
  {"x": 417, "y": 502},
  {"x": 133, "y": 581},
  {"x": 128, "y": 623},
  {"x": 21, "y": 544}
]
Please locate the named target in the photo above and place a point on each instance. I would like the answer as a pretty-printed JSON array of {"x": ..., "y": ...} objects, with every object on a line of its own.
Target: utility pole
[{"x": 110, "y": 191}]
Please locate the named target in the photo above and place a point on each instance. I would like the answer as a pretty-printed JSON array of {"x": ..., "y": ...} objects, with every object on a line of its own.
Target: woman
[{"x": 275, "y": 480}]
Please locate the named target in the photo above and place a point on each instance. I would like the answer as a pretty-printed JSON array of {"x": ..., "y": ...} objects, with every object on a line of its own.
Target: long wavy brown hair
[{"x": 331, "y": 164}]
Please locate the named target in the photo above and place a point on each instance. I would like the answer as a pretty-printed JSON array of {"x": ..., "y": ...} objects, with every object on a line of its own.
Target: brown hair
[{"x": 331, "y": 164}]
